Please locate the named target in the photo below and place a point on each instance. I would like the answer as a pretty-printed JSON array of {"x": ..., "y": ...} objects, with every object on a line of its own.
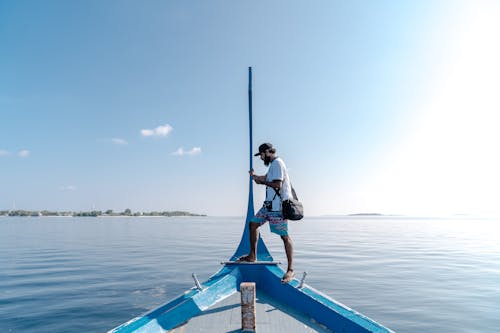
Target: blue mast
[
  {"x": 244, "y": 247},
  {"x": 250, "y": 209}
]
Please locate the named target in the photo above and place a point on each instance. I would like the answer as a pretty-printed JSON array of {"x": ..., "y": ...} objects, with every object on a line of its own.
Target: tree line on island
[{"x": 94, "y": 213}]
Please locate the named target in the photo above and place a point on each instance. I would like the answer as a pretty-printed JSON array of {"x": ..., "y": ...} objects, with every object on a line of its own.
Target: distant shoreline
[{"x": 95, "y": 213}]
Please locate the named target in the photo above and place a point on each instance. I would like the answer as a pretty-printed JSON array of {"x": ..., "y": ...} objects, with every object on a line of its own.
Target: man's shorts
[{"x": 277, "y": 224}]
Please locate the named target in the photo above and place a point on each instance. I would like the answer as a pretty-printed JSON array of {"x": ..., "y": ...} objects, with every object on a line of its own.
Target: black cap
[{"x": 263, "y": 147}]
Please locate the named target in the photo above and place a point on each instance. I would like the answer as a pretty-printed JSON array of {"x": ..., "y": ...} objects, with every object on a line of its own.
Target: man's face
[{"x": 266, "y": 157}]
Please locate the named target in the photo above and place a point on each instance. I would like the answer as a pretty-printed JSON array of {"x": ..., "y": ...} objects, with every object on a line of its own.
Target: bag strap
[
  {"x": 277, "y": 193},
  {"x": 294, "y": 195}
]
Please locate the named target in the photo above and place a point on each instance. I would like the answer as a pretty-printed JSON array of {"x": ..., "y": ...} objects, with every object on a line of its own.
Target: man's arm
[
  {"x": 258, "y": 179},
  {"x": 262, "y": 180},
  {"x": 276, "y": 184}
]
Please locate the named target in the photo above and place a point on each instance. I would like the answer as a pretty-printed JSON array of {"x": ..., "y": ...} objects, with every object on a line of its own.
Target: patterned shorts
[{"x": 277, "y": 224}]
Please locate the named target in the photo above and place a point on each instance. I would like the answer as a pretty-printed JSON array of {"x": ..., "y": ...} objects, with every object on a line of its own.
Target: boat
[{"x": 214, "y": 305}]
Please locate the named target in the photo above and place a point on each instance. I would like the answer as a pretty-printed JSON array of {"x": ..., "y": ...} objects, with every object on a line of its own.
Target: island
[{"x": 94, "y": 213}]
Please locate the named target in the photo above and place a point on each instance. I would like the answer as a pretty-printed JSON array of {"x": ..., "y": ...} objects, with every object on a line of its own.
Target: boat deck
[{"x": 272, "y": 317}]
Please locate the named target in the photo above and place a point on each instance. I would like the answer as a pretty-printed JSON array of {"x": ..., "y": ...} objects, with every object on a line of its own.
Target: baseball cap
[{"x": 263, "y": 147}]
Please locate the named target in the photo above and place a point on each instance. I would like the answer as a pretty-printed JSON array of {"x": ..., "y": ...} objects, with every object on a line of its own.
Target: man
[{"x": 278, "y": 188}]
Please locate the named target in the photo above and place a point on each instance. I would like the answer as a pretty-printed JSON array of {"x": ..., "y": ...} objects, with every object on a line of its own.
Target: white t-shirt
[{"x": 277, "y": 171}]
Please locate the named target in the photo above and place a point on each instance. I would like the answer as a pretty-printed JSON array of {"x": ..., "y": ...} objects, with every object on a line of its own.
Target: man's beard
[{"x": 267, "y": 160}]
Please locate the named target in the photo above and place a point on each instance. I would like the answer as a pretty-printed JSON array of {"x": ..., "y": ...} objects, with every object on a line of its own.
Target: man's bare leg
[
  {"x": 289, "y": 275},
  {"x": 254, "y": 238}
]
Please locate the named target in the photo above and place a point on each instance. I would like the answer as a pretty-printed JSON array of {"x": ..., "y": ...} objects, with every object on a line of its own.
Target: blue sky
[{"x": 375, "y": 106}]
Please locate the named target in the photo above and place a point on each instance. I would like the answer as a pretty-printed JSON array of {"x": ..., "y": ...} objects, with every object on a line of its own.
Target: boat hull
[{"x": 319, "y": 307}]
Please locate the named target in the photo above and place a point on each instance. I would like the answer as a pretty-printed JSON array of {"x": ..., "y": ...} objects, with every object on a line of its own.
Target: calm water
[{"x": 91, "y": 274}]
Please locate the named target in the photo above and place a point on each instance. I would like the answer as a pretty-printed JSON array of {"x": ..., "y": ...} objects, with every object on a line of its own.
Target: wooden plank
[{"x": 247, "y": 290}]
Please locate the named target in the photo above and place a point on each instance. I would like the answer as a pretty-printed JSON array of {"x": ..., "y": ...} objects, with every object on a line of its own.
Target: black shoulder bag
[{"x": 292, "y": 208}]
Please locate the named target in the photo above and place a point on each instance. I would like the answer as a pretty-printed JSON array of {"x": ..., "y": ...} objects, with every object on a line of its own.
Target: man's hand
[{"x": 257, "y": 179}]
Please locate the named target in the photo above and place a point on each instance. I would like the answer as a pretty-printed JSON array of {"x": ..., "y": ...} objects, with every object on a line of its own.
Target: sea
[{"x": 69, "y": 274}]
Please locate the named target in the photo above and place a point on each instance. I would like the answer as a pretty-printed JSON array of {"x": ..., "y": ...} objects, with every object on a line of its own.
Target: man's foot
[
  {"x": 247, "y": 258},
  {"x": 289, "y": 275}
]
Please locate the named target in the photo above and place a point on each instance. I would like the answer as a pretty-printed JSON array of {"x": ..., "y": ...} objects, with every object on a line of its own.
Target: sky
[{"x": 385, "y": 107}]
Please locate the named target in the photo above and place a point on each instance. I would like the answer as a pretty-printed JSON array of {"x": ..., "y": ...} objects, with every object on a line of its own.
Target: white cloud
[
  {"x": 24, "y": 153},
  {"x": 118, "y": 141},
  {"x": 67, "y": 188},
  {"x": 21, "y": 153},
  {"x": 163, "y": 130},
  {"x": 192, "y": 152}
]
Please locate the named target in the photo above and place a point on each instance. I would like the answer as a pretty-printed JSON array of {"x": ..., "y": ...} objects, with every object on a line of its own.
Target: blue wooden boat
[{"x": 314, "y": 311}]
